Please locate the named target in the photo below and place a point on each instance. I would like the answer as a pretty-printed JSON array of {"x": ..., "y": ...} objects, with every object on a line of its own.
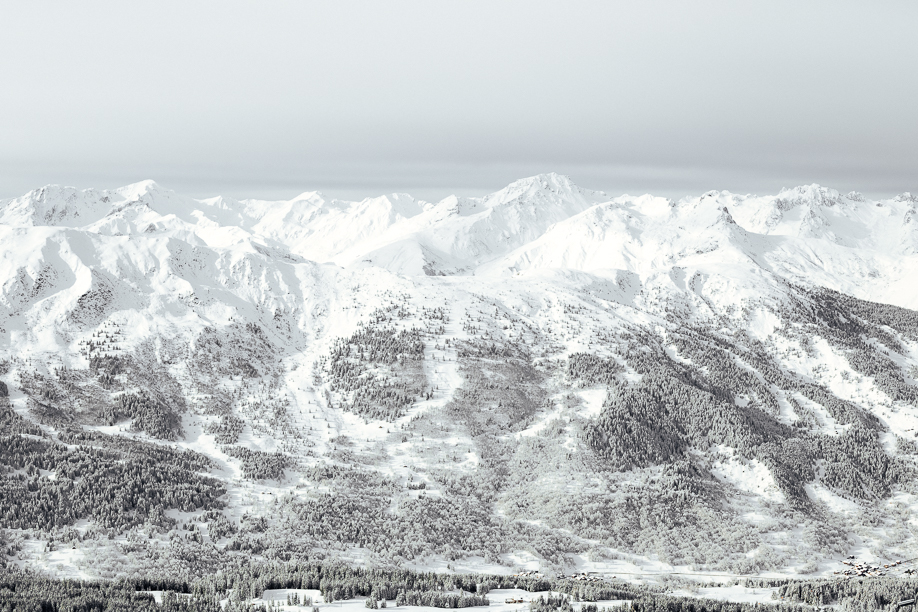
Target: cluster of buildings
[
  {"x": 865, "y": 569},
  {"x": 537, "y": 575},
  {"x": 583, "y": 577}
]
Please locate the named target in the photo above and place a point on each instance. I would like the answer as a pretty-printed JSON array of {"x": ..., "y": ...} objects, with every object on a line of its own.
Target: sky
[{"x": 355, "y": 98}]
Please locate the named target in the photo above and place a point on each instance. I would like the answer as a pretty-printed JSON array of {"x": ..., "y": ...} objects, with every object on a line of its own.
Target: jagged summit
[{"x": 814, "y": 195}]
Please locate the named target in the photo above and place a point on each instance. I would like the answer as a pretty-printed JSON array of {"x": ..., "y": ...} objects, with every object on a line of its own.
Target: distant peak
[
  {"x": 813, "y": 190},
  {"x": 51, "y": 191},
  {"x": 545, "y": 181},
  {"x": 550, "y": 186},
  {"x": 139, "y": 189},
  {"x": 813, "y": 194},
  {"x": 309, "y": 195}
]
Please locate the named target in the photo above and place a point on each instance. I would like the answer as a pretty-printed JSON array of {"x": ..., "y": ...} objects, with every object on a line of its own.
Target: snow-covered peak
[
  {"x": 136, "y": 191},
  {"x": 810, "y": 232},
  {"x": 56, "y": 206},
  {"x": 813, "y": 195},
  {"x": 395, "y": 207},
  {"x": 558, "y": 185},
  {"x": 544, "y": 189}
]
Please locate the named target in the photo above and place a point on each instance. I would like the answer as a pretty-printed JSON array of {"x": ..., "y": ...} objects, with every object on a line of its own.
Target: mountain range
[{"x": 546, "y": 377}]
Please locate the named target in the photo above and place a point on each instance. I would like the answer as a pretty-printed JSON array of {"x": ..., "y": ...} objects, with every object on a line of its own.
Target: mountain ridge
[{"x": 351, "y": 232}]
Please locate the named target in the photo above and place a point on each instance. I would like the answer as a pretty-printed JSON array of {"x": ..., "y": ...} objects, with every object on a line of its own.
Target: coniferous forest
[{"x": 233, "y": 588}]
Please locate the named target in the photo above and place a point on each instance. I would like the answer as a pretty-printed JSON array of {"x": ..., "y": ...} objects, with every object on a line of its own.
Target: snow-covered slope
[{"x": 610, "y": 374}]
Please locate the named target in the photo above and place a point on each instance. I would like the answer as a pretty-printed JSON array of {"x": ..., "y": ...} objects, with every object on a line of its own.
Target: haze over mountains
[{"x": 546, "y": 376}]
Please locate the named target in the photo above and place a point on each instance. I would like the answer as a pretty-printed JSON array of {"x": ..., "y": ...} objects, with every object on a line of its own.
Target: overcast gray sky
[{"x": 359, "y": 98}]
